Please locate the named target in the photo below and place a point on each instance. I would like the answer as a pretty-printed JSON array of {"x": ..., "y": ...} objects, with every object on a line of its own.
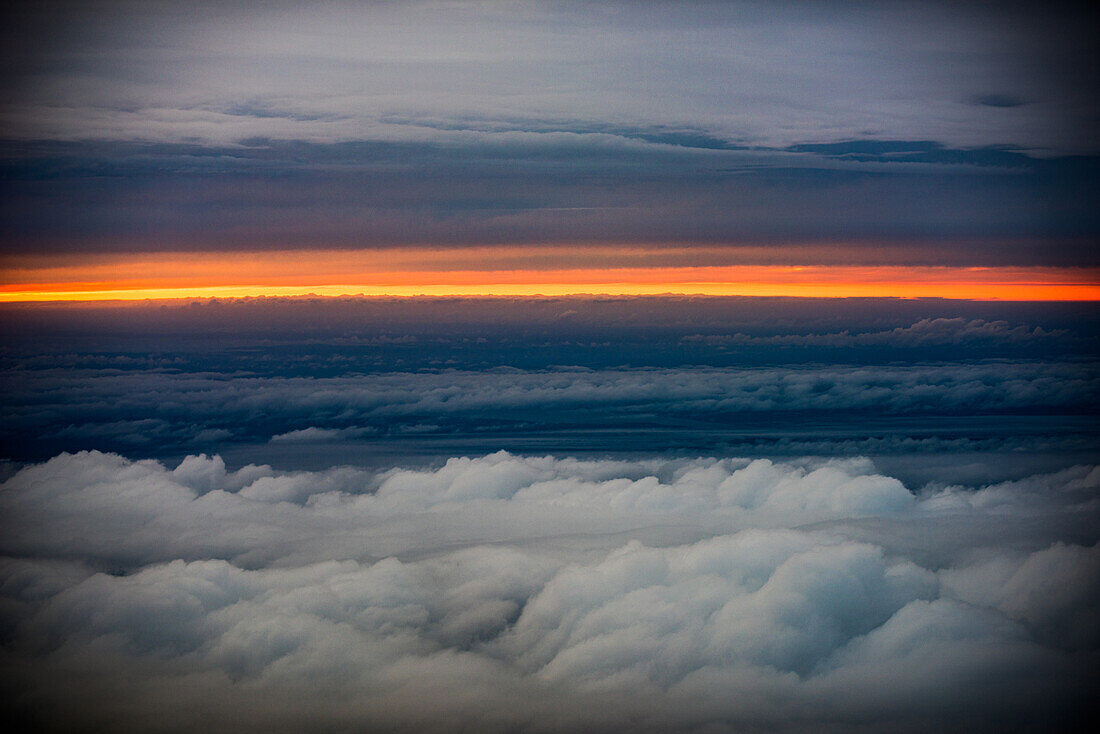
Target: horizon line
[{"x": 161, "y": 276}]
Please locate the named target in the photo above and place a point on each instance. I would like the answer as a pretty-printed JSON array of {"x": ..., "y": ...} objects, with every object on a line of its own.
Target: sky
[
  {"x": 574, "y": 146},
  {"x": 539, "y": 367}
]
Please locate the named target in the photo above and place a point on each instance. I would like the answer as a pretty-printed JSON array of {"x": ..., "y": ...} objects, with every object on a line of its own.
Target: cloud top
[{"x": 511, "y": 593}]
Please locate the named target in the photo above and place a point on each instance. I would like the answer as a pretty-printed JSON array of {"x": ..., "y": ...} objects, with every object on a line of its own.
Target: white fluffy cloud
[{"x": 508, "y": 593}]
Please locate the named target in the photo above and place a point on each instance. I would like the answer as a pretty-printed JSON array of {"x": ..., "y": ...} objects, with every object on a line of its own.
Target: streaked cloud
[
  {"x": 747, "y": 73},
  {"x": 899, "y": 130},
  {"x": 926, "y": 332},
  {"x": 109, "y": 408}
]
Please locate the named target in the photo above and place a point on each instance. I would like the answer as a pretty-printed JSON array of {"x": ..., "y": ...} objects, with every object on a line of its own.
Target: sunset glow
[{"x": 395, "y": 273}]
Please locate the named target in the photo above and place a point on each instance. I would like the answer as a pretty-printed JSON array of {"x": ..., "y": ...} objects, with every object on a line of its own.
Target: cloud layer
[
  {"x": 508, "y": 593},
  {"x": 899, "y": 133},
  {"x": 702, "y": 74},
  {"x": 302, "y": 382},
  {"x": 926, "y": 332},
  {"x": 169, "y": 408}
]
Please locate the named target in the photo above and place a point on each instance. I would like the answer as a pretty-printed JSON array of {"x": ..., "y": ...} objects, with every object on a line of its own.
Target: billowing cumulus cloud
[{"x": 509, "y": 593}]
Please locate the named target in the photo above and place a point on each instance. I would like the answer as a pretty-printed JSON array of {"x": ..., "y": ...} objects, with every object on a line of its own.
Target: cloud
[
  {"x": 923, "y": 333},
  {"x": 370, "y": 125},
  {"x": 78, "y": 406},
  {"x": 1049, "y": 591},
  {"x": 101, "y": 506},
  {"x": 998, "y": 100},
  {"x": 756, "y": 75},
  {"x": 509, "y": 593},
  {"x": 958, "y": 206},
  {"x": 310, "y": 382},
  {"x": 314, "y": 434}
]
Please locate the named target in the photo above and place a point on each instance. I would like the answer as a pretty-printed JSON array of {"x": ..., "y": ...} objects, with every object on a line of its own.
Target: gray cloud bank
[
  {"x": 287, "y": 380},
  {"x": 704, "y": 73},
  {"x": 907, "y": 132},
  {"x": 973, "y": 207},
  {"x": 926, "y": 332},
  {"x": 167, "y": 409},
  {"x": 508, "y": 593}
]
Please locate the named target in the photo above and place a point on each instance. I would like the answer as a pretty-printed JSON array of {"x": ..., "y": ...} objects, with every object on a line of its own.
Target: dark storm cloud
[
  {"x": 712, "y": 595},
  {"x": 237, "y": 125}
]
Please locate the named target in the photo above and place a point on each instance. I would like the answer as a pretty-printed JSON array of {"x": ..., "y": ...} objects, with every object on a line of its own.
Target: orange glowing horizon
[{"x": 516, "y": 271}]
